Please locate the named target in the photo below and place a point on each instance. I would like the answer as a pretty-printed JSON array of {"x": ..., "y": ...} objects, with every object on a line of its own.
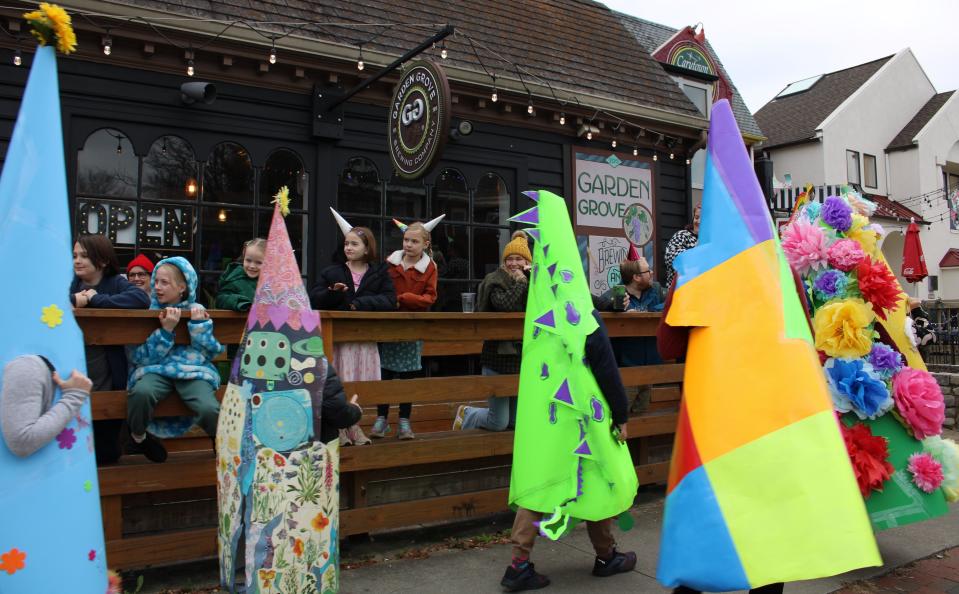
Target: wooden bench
[{"x": 156, "y": 514}]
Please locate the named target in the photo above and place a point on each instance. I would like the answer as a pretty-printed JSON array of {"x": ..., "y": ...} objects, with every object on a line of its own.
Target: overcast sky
[{"x": 767, "y": 44}]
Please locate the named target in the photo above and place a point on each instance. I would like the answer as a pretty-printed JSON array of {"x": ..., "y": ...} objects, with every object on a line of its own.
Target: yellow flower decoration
[
  {"x": 283, "y": 199},
  {"x": 52, "y": 316},
  {"x": 52, "y": 24},
  {"x": 866, "y": 238},
  {"x": 842, "y": 328}
]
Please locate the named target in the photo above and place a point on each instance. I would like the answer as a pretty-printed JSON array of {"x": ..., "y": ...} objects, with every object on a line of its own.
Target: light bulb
[
  {"x": 360, "y": 65},
  {"x": 17, "y": 58},
  {"x": 494, "y": 97},
  {"x": 443, "y": 53},
  {"x": 589, "y": 135},
  {"x": 687, "y": 161},
  {"x": 635, "y": 152},
  {"x": 273, "y": 56},
  {"x": 670, "y": 156},
  {"x": 107, "y": 46},
  {"x": 189, "y": 68},
  {"x": 655, "y": 157},
  {"x": 221, "y": 216},
  {"x": 529, "y": 109},
  {"x": 562, "y": 119},
  {"x": 614, "y": 143}
]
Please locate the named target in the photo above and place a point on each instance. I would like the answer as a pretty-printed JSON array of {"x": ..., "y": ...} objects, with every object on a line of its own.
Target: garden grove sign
[{"x": 419, "y": 119}]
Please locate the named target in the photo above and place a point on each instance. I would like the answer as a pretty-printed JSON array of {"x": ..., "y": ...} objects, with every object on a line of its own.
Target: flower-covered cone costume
[
  {"x": 566, "y": 462},
  {"x": 760, "y": 489},
  {"x": 877, "y": 379},
  {"x": 51, "y": 534},
  {"x": 278, "y": 484}
]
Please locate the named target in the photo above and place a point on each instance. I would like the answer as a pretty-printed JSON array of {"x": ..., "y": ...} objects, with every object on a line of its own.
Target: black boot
[
  {"x": 151, "y": 447},
  {"x": 617, "y": 563},
  {"x": 526, "y": 578}
]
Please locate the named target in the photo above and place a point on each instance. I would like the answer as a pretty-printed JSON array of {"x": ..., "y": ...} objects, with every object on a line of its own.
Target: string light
[
  {"x": 635, "y": 151},
  {"x": 688, "y": 161},
  {"x": 494, "y": 97},
  {"x": 443, "y": 52},
  {"x": 562, "y": 119},
  {"x": 273, "y": 52},
  {"x": 190, "y": 71},
  {"x": 589, "y": 135},
  {"x": 655, "y": 156},
  {"x": 221, "y": 216},
  {"x": 119, "y": 145},
  {"x": 359, "y": 62},
  {"x": 671, "y": 156},
  {"x": 529, "y": 107},
  {"x": 107, "y": 44},
  {"x": 614, "y": 143},
  {"x": 17, "y": 58}
]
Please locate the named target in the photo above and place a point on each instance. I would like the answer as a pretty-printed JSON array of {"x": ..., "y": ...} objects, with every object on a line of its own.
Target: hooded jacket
[
  {"x": 160, "y": 355},
  {"x": 236, "y": 289}
]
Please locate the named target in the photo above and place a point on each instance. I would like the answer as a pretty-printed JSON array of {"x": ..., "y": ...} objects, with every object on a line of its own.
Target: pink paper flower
[
  {"x": 805, "y": 246},
  {"x": 926, "y": 471},
  {"x": 845, "y": 254},
  {"x": 919, "y": 402}
]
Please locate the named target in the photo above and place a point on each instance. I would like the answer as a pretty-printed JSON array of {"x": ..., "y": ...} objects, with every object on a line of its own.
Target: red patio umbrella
[{"x": 913, "y": 262}]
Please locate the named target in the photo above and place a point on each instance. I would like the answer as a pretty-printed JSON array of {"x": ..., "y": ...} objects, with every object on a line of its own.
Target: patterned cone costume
[
  {"x": 278, "y": 484},
  {"x": 566, "y": 461}
]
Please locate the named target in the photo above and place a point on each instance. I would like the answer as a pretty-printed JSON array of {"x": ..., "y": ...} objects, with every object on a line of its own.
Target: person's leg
[
  {"x": 200, "y": 397},
  {"x": 381, "y": 425},
  {"x": 493, "y": 418},
  {"x": 520, "y": 575},
  {"x": 608, "y": 561},
  {"x": 776, "y": 588},
  {"x": 141, "y": 400}
]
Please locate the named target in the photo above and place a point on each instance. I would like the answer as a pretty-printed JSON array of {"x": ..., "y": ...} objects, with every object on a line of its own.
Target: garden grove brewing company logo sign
[{"x": 419, "y": 119}]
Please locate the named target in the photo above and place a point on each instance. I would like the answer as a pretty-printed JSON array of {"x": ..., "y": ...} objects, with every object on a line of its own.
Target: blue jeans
[{"x": 500, "y": 414}]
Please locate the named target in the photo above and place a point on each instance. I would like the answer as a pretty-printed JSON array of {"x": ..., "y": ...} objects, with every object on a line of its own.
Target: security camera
[{"x": 203, "y": 92}]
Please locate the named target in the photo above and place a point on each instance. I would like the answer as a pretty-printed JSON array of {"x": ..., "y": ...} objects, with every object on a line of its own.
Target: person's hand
[
  {"x": 80, "y": 299},
  {"x": 622, "y": 432},
  {"x": 90, "y": 293},
  {"x": 625, "y": 302},
  {"x": 76, "y": 381},
  {"x": 339, "y": 287},
  {"x": 355, "y": 402},
  {"x": 198, "y": 313},
  {"x": 169, "y": 318}
]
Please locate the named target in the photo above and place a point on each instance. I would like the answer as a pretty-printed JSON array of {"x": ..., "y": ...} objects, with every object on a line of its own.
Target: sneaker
[
  {"x": 460, "y": 416},
  {"x": 516, "y": 580},
  {"x": 380, "y": 428},
  {"x": 357, "y": 436},
  {"x": 151, "y": 447},
  {"x": 618, "y": 563},
  {"x": 405, "y": 432}
]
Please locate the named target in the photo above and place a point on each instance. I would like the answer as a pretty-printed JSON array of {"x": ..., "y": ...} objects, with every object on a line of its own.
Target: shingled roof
[
  {"x": 795, "y": 118},
  {"x": 577, "y": 45},
  {"x": 903, "y": 140},
  {"x": 652, "y": 35}
]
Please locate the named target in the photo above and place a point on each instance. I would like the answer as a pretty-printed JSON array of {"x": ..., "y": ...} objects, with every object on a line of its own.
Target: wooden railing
[{"x": 162, "y": 513}]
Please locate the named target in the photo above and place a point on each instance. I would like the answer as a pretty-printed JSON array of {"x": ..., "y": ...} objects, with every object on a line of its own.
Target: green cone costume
[{"x": 566, "y": 462}]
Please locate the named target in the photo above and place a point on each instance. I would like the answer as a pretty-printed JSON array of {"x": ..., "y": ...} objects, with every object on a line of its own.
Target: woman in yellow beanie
[{"x": 504, "y": 289}]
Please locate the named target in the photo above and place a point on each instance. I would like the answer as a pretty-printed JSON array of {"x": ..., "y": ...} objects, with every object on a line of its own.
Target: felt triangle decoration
[
  {"x": 547, "y": 319},
  {"x": 563, "y": 394},
  {"x": 530, "y": 216},
  {"x": 532, "y": 195}
]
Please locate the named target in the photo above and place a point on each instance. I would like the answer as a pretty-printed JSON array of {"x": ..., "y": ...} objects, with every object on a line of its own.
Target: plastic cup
[{"x": 469, "y": 302}]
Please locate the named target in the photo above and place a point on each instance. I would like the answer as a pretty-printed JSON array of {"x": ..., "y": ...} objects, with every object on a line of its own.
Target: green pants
[{"x": 197, "y": 394}]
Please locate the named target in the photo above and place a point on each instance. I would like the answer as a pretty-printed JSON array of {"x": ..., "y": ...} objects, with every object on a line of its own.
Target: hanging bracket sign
[{"x": 419, "y": 119}]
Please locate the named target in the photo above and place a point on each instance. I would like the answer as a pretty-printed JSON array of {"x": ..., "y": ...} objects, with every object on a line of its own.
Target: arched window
[
  {"x": 107, "y": 166},
  {"x": 451, "y": 195},
  {"x": 359, "y": 189},
  {"x": 169, "y": 170},
  {"x": 228, "y": 175},
  {"x": 406, "y": 202},
  {"x": 284, "y": 168},
  {"x": 491, "y": 203}
]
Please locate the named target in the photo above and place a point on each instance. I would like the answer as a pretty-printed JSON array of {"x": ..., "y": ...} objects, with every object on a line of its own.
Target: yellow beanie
[{"x": 517, "y": 247}]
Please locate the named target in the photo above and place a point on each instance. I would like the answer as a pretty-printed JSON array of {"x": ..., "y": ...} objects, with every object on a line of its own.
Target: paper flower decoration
[
  {"x": 878, "y": 286},
  {"x": 114, "y": 583},
  {"x": 842, "y": 328},
  {"x": 812, "y": 210},
  {"x": 856, "y": 387},
  {"x": 845, "y": 254},
  {"x": 919, "y": 402},
  {"x": 830, "y": 284},
  {"x": 805, "y": 246},
  {"x": 13, "y": 561},
  {"x": 51, "y": 24},
  {"x": 869, "y": 455},
  {"x": 52, "y": 316},
  {"x": 862, "y": 233},
  {"x": 66, "y": 439},
  {"x": 885, "y": 359},
  {"x": 926, "y": 471},
  {"x": 946, "y": 452},
  {"x": 836, "y": 213},
  {"x": 282, "y": 197}
]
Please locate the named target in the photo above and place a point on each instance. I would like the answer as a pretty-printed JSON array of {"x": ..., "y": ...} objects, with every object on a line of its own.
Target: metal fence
[{"x": 942, "y": 348}]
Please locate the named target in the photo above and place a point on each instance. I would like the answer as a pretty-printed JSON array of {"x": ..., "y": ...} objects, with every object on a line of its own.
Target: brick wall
[{"x": 948, "y": 378}]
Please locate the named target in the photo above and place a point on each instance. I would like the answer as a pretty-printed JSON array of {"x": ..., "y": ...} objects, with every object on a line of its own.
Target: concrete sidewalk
[{"x": 568, "y": 562}]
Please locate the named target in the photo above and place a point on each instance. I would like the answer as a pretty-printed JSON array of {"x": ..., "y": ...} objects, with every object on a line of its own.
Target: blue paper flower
[
  {"x": 885, "y": 360},
  {"x": 812, "y": 211},
  {"x": 830, "y": 284},
  {"x": 856, "y": 387},
  {"x": 836, "y": 213}
]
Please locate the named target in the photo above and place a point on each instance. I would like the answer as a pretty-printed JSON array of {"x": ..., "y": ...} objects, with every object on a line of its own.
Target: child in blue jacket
[{"x": 162, "y": 366}]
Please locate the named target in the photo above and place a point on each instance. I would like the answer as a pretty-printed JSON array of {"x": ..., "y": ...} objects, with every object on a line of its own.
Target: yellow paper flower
[
  {"x": 52, "y": 316},
  {"x": 842, "y": 328},
  {"x": 283, "y": 199},
  {"x": 52, "y": 24},
  {"x": 865, "y": 237}
]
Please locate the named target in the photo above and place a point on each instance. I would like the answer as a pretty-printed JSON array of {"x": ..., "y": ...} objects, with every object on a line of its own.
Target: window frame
[
  {"x": 875, "y": 171},
  {"x": 706, "y": 87},
  {"x": 855, "y": 154}
]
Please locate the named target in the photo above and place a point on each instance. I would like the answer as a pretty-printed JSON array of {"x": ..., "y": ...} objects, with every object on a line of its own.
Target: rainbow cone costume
[
  {"x": 51, "y": 536},
  {"x": 566, "y": 462},
  {"x": 278, "y": 484},
  {"x": 760, "y": 488}
]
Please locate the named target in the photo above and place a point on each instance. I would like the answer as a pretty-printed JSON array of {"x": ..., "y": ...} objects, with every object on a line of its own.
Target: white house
[{"x": 878, "y": 126}]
